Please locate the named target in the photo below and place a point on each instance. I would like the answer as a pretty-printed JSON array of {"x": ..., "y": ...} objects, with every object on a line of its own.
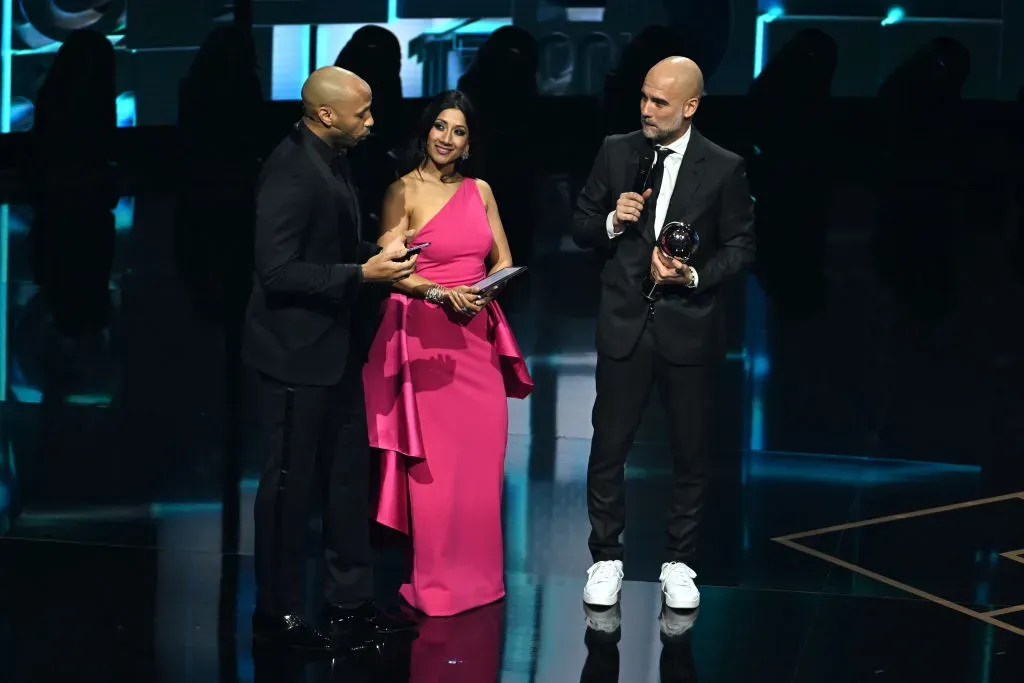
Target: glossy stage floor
[{"x": 817, "y": 567}]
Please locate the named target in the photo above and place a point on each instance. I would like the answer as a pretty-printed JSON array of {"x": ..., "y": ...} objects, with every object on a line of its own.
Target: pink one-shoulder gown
[{"x": 436, "y": 385}]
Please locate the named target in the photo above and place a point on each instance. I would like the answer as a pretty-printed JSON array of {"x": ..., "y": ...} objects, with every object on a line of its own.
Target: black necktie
[{"x": 655, "y": 184}]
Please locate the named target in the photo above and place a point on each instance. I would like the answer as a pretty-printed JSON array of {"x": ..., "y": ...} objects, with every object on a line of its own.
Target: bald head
[
  {"x": 670, "y": 97},
  {"x": 330, "y": 85},
  {"x": 679, "y": 73},
  {"x": 339, "y": 101}
]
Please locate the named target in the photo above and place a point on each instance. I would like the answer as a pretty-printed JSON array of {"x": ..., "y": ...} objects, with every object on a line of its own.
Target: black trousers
[
  {"x": 317, "y": 446},
  {"x": 623, "y": 391}
]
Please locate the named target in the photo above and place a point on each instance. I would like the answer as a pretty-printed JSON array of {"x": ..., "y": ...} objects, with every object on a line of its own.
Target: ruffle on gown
[{"x": 397, "y": 434}]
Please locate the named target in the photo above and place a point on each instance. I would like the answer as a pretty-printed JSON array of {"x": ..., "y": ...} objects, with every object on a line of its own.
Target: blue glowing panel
[
  {"x": 290, "y": 63},
  {"x": 24, "y": 54},
  {"x": 332, "y": 38},
  {"x": 30, "y": 28},
  {"x": 126, "y": 110},
  {"x": 761, "y": 36},
  {"x": 6, "y": 31}
]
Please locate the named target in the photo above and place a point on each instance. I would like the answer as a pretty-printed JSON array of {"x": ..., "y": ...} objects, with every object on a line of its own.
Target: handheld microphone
[
  {"x": 643, "y": 171},
  {"x": 643, "y": 175}
]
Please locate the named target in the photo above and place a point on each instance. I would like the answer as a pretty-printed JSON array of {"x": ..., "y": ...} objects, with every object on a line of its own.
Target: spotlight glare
[{"x": 895, "y": 16}]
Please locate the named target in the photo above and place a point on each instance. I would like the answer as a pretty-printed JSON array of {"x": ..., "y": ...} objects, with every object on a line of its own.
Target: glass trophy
[{"x": 677, "y": 240}]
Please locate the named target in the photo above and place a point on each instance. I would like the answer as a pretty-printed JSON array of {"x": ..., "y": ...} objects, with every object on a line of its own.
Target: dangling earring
[{"x": 465, "y": 155}]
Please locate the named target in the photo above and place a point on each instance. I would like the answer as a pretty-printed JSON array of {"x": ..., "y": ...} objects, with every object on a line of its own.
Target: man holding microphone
[{"x": 678, "y": 338}]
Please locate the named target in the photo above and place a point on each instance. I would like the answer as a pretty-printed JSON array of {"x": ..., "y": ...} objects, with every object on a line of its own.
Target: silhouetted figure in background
[
  {"x": 73, "y": 232},
  {"x": 789, "y": 110},
  {"x": 622, "y": 86},
  {"x": 791, "y": 163},
  {"x": 504, "y": 73},
  {"x": 921, "y": 246},
  {"x": 214, "y": 223},
  {"x": 704, "y": 26},
  {"x": 923, "y": 145},
  {"x": 215, "y": 212},
  {"x": 375, "y": 54},
  {"x": 72, "y": 236},
  {"x": 502, "y": 83},
  {"x": 72, "y": 239}
]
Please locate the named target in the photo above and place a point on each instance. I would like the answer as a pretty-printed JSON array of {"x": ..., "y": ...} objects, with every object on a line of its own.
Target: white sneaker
[
  {"x": 604, "y": 582},
  {"x": 677, "y": 586}
]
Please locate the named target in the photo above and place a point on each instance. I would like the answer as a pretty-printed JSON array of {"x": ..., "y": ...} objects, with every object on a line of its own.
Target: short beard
[{"x": 660, "y": 136}]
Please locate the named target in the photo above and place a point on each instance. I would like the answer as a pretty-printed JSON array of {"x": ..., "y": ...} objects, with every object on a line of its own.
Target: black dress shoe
[
  {"x": 367, "y": 620},
  {"x": 290, "y": 632}
]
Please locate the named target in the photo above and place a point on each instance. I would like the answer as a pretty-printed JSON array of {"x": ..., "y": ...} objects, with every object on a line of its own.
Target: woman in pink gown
[{"x": 440, "y": 370}]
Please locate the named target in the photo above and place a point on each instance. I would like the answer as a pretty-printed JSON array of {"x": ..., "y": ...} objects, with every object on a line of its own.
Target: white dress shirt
[{"x": 668, "y": 185}]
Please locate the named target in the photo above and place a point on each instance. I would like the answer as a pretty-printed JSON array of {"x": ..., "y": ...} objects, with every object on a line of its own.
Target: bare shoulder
[
  {"x": 398, "y": 187},
  {"x": 396, "y": 200},
  {"x": 485, "y": 189},
  {"x": 399, "y": 190}
]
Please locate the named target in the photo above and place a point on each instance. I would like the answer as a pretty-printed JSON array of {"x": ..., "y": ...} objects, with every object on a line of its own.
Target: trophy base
[{"x": 650, "y": 290}]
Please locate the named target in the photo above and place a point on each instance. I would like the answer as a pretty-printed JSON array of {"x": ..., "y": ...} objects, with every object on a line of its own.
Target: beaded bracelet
[{"x": 436, "y": 295}]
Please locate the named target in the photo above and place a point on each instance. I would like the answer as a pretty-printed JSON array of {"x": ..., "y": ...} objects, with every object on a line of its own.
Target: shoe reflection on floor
[{"x": 604, "y": 631}]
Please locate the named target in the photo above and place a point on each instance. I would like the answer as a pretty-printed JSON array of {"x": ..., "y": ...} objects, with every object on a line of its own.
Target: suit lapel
[{"x": 691, "y": 173}]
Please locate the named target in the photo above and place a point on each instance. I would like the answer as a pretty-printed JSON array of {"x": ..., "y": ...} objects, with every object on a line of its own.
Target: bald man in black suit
[
  {"x": 677, "y": 338},
  {"x": 302, "y": 336}
]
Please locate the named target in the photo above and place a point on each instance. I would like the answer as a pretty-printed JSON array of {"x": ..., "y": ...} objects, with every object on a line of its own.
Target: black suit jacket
[
  {"x": 711, "y": 194},
  {"x": 303, "y": 316}
]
